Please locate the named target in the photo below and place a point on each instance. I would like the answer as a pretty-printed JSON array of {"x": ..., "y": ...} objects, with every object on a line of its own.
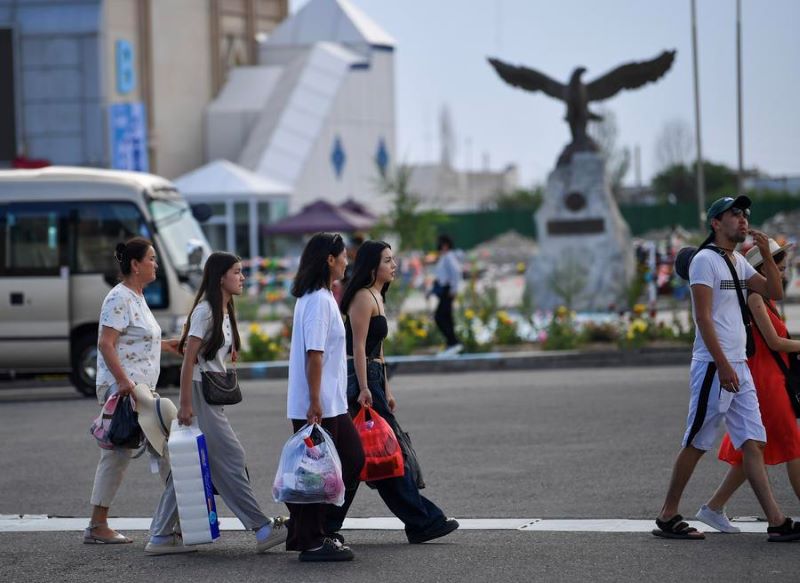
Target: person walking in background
[
  {"x": 780, "y": 420},
  {"x": 447, "y": 278},
  {"x": 209, "y": 336},
  {"x": 366, "y": 328},
  {"x": 720, "y": 381},
  {"x": 129, "y": 353},
  {"x": 318, "y": 389}
]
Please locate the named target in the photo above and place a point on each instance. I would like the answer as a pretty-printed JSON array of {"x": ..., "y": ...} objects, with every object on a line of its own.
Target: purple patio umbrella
[{"x": 321, "y": 216}]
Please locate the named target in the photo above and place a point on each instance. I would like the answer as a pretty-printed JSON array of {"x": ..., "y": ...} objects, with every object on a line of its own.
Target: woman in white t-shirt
[
  {"x": 318, "y": 389},
  {"x": 209, "y": 336},
  {"x": 129, "y": 352}
]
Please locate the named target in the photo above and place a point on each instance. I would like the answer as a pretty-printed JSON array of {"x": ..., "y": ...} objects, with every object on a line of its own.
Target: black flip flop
[
  {"x": 786, "y": 532},
  {"x": 676, "y": 528}
]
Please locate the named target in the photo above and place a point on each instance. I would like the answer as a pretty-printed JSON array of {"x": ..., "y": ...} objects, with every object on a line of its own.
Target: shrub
[
  {"x": 600, "y": 332},
  {"x": 262, "y": 346},
  {"x": 561, "y": 333},
  {"x": 505, "y": 332}
]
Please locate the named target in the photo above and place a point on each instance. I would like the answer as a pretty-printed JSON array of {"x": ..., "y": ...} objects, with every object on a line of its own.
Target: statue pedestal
[{"x": 585, "y": 257}]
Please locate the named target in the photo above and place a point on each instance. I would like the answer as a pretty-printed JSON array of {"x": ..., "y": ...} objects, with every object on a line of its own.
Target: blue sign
[
  {"x": 128, "y": 126},
  {"x": 338, "y": 157},
  {"x": 382, "y": 157},
  {"x": 126, "y": 67}
]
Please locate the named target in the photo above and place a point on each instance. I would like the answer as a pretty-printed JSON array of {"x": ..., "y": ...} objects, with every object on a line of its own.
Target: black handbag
[
  {"x": 124, "y": 431},
  {"x": 221, "y": 388},
  {"x": 792, "y": 376},
  {"x": 409, "y": 454}
]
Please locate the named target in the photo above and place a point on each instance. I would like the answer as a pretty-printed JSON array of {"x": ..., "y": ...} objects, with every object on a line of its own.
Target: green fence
[{"x": 471, "y": 229}]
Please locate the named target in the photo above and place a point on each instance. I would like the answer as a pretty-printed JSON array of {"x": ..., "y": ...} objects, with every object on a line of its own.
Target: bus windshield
[{"x": 180, "y": 232}]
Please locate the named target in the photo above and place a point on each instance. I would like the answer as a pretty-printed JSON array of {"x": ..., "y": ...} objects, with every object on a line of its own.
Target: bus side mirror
[
  {"x": 194, "y": 252},
  {"x": 201, "y": 212}
]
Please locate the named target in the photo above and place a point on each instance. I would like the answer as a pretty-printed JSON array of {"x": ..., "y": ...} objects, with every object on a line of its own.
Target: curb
[{"x": 499, "y": 361}]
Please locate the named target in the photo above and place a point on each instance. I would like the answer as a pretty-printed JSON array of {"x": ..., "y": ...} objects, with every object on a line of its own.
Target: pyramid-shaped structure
[{"x": 336, "y": 21}]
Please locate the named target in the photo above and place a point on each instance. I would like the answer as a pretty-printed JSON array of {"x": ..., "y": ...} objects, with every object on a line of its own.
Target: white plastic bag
[{"x": 309, "y": 471}]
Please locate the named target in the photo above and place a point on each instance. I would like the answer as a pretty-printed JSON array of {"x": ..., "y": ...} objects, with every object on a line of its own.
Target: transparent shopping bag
[{"x": 309, "y": 471}]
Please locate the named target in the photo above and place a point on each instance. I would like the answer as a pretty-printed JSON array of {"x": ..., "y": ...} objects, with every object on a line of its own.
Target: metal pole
[
  {"x": 701, "y": 188},
  {"x": 740, "y": 175}
]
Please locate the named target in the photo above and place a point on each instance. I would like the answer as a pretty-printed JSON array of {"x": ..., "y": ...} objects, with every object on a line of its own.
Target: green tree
[
  {"x": 416, "y": 228},
  {"x": 520, "y": 199},
  {"x": 680, "y": 181}
]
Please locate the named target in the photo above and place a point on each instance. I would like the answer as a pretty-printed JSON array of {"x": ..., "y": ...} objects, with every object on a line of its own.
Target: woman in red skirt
[{"x": 783, "y": 434}]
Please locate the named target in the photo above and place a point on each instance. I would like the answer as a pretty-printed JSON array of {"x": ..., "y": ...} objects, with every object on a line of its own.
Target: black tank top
[{"x": 377, "y": 331}]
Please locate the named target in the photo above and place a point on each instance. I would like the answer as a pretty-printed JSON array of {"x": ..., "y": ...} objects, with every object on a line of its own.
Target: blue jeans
[{"x": 400, "y": 495}]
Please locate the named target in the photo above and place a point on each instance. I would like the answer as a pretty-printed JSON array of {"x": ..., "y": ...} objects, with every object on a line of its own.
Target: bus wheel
[
  {"x": 84, "y": 364},
  {"x": 170, "y": 377}
]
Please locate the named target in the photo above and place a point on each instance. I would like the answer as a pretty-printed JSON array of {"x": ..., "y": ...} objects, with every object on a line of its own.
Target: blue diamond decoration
[
  {"x": 338, "y": 157},
  {"x": 382, "y": 157}
]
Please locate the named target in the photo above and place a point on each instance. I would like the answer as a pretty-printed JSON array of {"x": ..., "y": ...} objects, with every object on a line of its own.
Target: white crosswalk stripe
[{"x": 44, "y": 523}]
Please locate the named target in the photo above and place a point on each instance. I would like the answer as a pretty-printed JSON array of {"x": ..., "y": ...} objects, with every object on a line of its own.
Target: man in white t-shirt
[{"x": 720, "y": 382}]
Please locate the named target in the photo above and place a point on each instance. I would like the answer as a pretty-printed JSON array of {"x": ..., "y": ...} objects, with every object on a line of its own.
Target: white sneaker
[
  {"x": 717, "y": 520},
  {"x": 173, "y": 546},
  {"x": 276, "y": 537},
  {"x": 451, "y": 350}
]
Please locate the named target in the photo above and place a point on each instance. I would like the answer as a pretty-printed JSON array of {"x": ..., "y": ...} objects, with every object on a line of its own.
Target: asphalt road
[{"x": 590, "y": 443}]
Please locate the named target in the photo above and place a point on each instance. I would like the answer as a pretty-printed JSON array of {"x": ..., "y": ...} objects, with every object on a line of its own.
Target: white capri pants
[{"x": 113, "y": 463}]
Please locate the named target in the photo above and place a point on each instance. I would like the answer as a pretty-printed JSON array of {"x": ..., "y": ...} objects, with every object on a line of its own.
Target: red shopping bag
[{"x": 383, "y": 457}]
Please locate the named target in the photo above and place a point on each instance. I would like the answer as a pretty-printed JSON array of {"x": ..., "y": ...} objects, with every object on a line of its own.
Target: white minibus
[{"x": 58, "y": 230}]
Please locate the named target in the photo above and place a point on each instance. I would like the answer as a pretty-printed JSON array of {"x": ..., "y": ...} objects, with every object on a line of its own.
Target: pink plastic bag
[{"x": 100, "y": 426}]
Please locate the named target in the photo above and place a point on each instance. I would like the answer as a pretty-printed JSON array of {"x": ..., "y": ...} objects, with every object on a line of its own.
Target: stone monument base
[{"x": 585, "y": 259}]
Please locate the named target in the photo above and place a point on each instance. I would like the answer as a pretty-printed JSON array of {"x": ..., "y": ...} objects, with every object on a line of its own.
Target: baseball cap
[{"x": 720, "y": 205}]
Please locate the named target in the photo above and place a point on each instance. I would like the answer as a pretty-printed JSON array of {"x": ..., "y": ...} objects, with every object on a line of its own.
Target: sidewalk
[{"x": 539, "y": 360}]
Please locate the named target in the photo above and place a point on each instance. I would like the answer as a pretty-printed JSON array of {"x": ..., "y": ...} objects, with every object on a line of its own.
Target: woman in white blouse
[{"x": 129, "y": 352}]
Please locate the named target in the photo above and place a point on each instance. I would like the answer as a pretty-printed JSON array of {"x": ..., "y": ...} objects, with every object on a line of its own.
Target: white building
[
  {"x": 241, "y": 202},
  {"x": 440, "y": 185},
  {"x": 317, "y": 114}
]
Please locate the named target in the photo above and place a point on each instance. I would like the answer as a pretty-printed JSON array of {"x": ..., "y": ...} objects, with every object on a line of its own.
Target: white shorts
[{"x": 709, "y": 405}]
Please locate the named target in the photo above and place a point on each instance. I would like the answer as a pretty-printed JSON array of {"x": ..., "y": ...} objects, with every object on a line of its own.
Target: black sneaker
[
  {"x": 331, "y": 550},
  {"x": 443, "y": 529}
]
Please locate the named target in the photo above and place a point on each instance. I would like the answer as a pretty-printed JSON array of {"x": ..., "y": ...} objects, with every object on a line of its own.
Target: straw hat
[
  {"x": 754, "y": 254},
  {"x": 155, "y": 415}
]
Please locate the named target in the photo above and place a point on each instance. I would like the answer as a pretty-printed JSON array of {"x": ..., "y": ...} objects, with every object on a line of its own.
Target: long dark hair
[
  {"x": 217, "y": 265},
  {"x": 365, "y": 268},
  {"x": 778, "y": 257},
  {"x": 314, "y": 273},
  {"x": 131, "y": 249}
]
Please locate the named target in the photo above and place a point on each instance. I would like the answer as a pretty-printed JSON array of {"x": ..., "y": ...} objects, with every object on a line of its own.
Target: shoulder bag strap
[
  {"x": 771, "y": 307},
  {"x": 742, "y": 304},
  {"x": 775, "y": 355}
]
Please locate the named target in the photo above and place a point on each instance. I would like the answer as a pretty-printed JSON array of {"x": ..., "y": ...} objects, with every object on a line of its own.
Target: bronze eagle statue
[{"x": 577, "y": 94}]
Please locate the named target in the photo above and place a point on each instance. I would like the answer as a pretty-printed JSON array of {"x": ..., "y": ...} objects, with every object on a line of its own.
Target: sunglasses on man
[{"x": 737, "y": 212}]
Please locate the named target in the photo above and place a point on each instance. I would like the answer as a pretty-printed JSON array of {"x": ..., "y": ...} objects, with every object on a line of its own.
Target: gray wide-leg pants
[{"x": 226, "y": 462}]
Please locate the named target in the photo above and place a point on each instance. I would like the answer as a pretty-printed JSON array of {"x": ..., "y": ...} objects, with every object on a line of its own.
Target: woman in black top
[{"x": 366, "y": 327}]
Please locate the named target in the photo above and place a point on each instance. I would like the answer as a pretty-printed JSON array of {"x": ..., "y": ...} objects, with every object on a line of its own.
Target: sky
[{"x": 441, "y": 53}]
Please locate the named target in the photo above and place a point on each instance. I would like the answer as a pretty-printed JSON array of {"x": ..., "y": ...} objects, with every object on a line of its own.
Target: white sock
[{"x": 263, "y": 532}]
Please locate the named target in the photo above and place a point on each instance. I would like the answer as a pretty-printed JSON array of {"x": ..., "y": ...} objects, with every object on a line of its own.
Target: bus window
[
  {"x": 98, "y": 227},
  {"x": 3, "y": 260},
  {"x": 33, "y": 239}
]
